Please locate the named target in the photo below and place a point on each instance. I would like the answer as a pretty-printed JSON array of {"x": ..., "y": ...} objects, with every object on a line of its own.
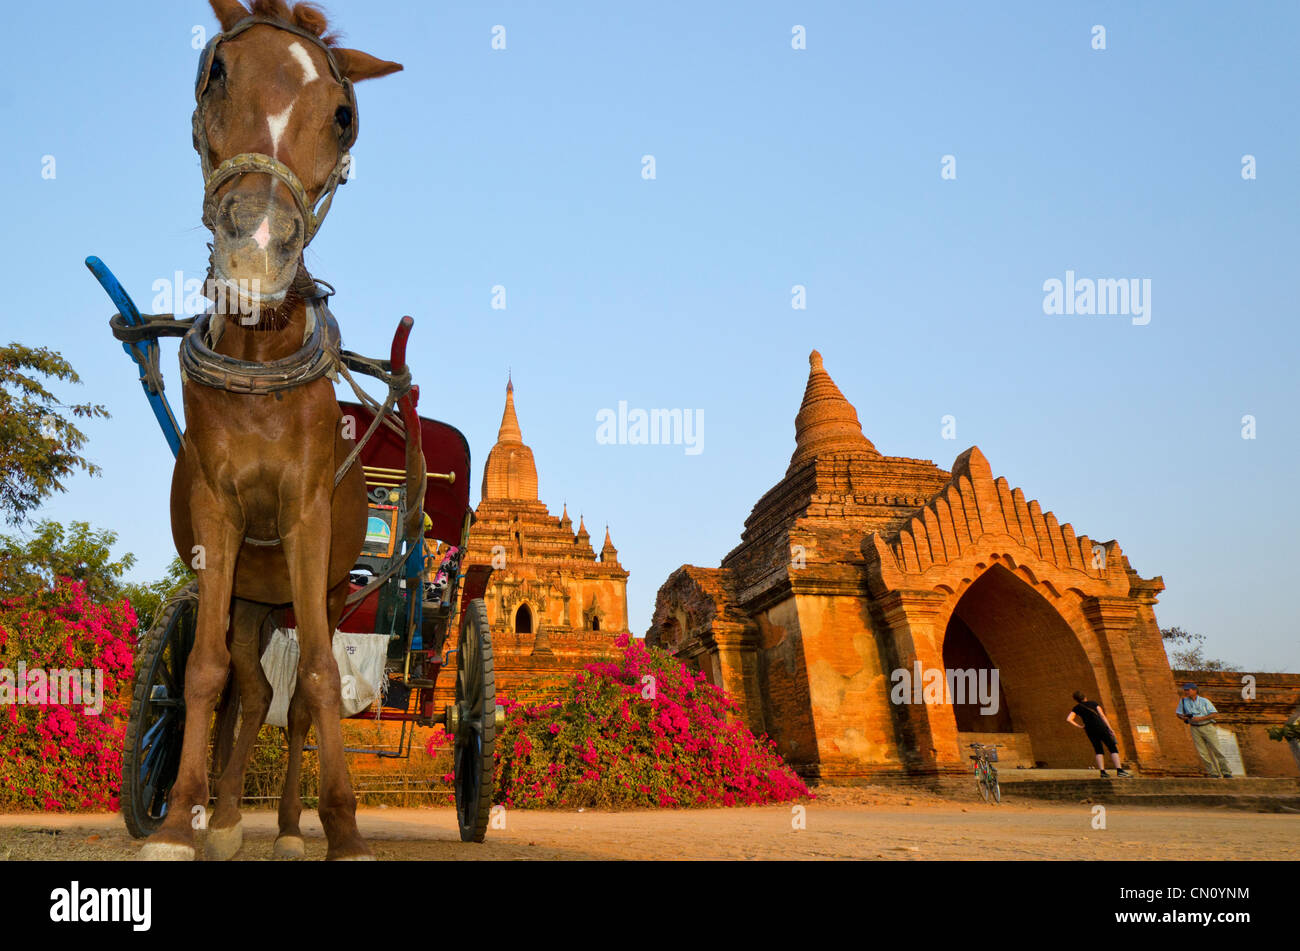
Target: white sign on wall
[{"x": 1231, "y": 752}]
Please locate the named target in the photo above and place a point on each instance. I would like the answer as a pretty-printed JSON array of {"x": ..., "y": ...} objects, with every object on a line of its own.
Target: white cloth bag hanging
[
  {"x": 360, "y": 658},
  {"x": 280, "y": 662}
]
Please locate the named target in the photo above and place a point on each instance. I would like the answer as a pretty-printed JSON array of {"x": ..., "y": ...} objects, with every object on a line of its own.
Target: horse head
[{"x": 274, "y": 120}]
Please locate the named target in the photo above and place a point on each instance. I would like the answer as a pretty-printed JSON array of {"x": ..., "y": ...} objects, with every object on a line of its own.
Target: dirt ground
[{"x": 860, "y": 823}]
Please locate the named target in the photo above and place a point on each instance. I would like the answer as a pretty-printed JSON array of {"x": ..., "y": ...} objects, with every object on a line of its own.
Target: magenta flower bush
[
  {"x": 640, "y": 731},
  {"x": 57, "y": 757}
]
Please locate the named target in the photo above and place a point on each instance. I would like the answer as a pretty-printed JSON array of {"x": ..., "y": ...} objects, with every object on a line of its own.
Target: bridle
[{"x": 258, "y": 162}]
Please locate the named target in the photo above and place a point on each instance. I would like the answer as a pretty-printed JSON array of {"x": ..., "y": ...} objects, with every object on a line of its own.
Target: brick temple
[
  {"x": 857, "y": 566},
  {"x": 555, "y": 604}
]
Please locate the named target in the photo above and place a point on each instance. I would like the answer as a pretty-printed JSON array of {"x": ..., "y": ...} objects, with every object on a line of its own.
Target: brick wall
[{"x": 1276, "y": 699}]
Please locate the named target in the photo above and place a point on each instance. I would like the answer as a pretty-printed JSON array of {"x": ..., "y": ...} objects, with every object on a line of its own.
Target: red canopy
[{"x": 445, "y": 450}]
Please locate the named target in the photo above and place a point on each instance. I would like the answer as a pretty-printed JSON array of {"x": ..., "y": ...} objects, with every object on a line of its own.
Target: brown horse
[{"x": 254, "y": 503}]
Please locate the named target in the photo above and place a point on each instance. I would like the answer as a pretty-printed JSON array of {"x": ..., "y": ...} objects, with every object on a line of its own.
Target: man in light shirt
[{"x": 1199, "y": 714}]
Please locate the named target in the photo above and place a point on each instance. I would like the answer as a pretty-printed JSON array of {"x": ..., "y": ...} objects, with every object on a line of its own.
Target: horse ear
[
  {"x": 357, "y": 65},
  {"x": 229, "y": 12}
]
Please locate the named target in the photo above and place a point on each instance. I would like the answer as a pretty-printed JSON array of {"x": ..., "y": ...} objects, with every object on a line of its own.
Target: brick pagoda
[
  {"x": 857, "y": 565},
  {"x": 553, "y": 602}
]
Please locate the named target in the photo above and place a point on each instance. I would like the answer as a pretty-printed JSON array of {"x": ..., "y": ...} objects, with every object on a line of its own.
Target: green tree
[
  {"x": 84, "y": 554},
  {"x": 52, "y": 552},
  {"x": 147, "y": 599},
  {"x": 39, "y": 442},
  {"x": 1187, "y": 651},
  {"x": 1287, "y": 733}
]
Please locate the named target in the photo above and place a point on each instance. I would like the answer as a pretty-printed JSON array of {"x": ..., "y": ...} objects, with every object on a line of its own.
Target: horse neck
[{"x": 277, "y": 335}]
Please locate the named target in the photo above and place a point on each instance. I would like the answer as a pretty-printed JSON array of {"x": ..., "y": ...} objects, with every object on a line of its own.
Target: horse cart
[{"x": 409, "y": 589}]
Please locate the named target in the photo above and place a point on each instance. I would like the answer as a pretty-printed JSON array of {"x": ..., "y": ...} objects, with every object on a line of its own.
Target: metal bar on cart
[{"x": 131, "y": 314}]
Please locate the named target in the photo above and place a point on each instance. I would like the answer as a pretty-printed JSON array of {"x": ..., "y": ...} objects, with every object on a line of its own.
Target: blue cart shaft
[{"x": 126, "y": 307}]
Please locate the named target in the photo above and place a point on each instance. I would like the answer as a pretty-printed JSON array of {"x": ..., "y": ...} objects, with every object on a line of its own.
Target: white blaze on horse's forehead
[
  {"x": 304, "y": 60},
  {"x": 277, "y": 124}
]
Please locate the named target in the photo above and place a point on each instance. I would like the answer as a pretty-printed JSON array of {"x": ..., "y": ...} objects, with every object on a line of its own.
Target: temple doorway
[{"x": 1001, "y": 623}]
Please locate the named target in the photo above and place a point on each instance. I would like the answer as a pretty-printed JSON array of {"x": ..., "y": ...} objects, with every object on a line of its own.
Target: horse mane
[{"x": 305, "y": 16}]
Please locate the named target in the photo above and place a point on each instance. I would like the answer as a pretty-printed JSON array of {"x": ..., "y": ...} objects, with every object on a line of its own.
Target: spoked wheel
[
  {"x": 473, "y": 722},
  {"x": 156, "y": 726},
  {"x": 987, "y": 781}
]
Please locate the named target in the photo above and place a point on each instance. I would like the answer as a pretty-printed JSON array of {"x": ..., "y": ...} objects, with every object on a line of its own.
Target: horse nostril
[
  {"x": 226, "y": 226},
  {"x": 229, "y": 218},
  {"x": 290, "y": 236}
]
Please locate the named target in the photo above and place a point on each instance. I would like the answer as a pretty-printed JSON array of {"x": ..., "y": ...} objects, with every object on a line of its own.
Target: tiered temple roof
[
  {"x": 511, "y": 515},
  {"x": 553, "y": 604},
  {"x": 837, "y": 488}
]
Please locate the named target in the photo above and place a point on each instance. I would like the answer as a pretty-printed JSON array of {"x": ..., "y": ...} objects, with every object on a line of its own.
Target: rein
[{"x": 320, "y": 356}]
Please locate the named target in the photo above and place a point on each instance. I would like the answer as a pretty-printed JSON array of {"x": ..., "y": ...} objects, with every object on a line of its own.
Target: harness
[
  {"x": 317, "y": 357},
  {"x": 321, "y": 354}
]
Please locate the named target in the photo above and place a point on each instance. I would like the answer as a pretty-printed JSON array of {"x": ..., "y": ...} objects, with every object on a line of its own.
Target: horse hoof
[
  {"x": 289, "y": 848},
  {"x": 222, "y": 844},
  {"x": 166, "y": 852}
]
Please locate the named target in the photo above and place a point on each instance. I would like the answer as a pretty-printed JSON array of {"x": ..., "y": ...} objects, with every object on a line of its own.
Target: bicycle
[{"x": 986, "y": 774}]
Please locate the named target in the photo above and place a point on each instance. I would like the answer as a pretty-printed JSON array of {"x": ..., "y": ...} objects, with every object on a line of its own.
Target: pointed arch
[{"x": 1002, "y": 620}]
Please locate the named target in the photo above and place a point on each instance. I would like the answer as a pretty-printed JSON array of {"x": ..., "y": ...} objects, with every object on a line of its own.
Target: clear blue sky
[{"x": 774, "y": 167}]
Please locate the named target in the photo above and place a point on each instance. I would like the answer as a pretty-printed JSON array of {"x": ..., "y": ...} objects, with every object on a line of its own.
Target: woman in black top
[{"x": 1088, "y": 716}]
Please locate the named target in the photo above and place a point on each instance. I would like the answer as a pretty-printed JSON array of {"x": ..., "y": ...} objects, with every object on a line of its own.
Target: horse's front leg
[
  {"x": 218, "y": 532},
  {"x": 307, "y": 548},
  {"x": 289, "y": 843},
  {"x": 225, "y": 832}
]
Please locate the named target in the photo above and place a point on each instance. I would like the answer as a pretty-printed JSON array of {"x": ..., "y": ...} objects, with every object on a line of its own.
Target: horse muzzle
[{"x": 258, "y": 239}]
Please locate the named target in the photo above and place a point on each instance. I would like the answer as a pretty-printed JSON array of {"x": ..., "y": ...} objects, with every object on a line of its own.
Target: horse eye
[
  {"x": 343, "y": 116},
  {"x": 217, "y": 72}
]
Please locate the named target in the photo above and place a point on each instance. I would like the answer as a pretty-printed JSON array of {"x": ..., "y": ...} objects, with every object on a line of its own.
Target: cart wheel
[
  {"x": 474, "y": 751},
  {"x": 156, "y": 726}
]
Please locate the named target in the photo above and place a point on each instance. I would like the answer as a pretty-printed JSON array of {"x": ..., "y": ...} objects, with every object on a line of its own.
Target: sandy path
[{"x": 842, "y": 824}]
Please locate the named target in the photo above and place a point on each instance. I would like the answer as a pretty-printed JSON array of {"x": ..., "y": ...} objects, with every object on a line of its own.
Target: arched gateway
[
  {"x": 880, "y": 613},
  {"x": 1000, "y": 623}
]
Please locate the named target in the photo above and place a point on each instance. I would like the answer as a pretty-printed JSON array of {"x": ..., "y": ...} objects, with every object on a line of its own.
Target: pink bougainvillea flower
[
  {"x": 680, "y": 745},
  {"x": 62, "y": 757}
]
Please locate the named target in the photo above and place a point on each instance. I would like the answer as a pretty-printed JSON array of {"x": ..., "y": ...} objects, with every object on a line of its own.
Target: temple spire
[
  {"x": 827, "y": 423},
  {"x": 608, "y": 553},
  {"x": 510, "y": 471},
  {"x": 582, "y": 542},
  {"x": 509, "y": 431}
]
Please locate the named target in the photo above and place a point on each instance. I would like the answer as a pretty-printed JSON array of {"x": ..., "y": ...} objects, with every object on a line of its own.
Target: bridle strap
[{"x": 259, "y": 163}]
